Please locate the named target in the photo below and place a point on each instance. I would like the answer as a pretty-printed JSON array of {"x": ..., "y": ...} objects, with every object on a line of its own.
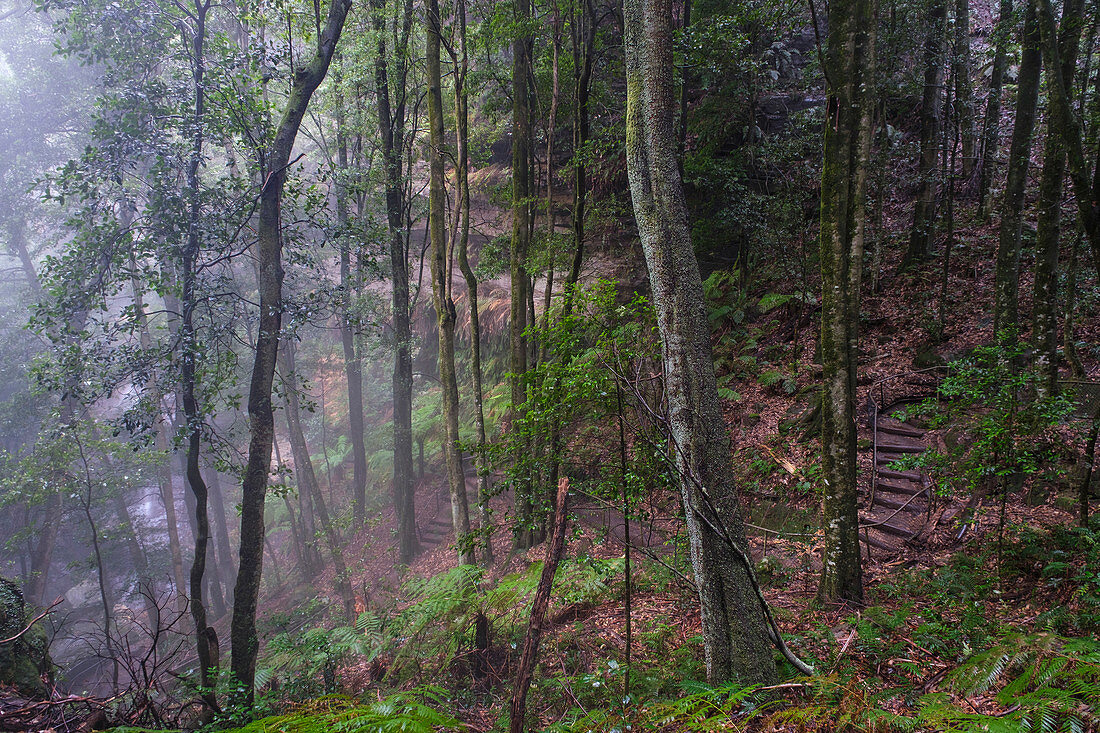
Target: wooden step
[
  {"x": 886, "y": 458},
  {"x": 897, "y": 487},
  {"x": 913, "y": 507},
  {"x": 901, "y": 447},
  {"x": 904, "y": 475},
  {"x": 900, "y": 429},
  {"x": 873, "y": 541},
  {"x": 903, "y": 532}
]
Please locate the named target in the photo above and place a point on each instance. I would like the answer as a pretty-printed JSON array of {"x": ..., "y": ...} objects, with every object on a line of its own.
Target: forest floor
[{"x": 929, "y": 605}]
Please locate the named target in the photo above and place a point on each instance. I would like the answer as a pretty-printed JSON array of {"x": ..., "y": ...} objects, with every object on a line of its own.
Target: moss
[{"x": 24, "y": 661}]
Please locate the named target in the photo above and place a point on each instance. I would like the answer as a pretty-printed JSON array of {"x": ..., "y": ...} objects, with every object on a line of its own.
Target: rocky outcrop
[{"x": 24, "y": 662}]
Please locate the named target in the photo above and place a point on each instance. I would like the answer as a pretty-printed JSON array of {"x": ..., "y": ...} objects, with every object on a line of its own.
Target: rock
[
  {"x": 927, "y": 357},
  {"x": 769, "y": 569},
  {"x": 25, "y": 661}
]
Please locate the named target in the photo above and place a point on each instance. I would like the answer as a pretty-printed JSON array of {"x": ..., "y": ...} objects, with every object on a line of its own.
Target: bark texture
[
  {"x": 850, "y": 62},
  {"x": 307, "y": 78},
  {"x": 735, "y": 637}
]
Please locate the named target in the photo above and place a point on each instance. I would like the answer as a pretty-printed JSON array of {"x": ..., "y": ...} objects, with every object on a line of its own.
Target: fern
[{"x": 415, "y": 711}]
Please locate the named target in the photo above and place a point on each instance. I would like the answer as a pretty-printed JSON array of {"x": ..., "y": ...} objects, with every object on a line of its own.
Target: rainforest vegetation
[{"x": 549, "y": 365}]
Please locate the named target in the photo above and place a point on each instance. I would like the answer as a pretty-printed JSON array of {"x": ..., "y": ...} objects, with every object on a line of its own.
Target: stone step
[
  {"x": 900, "y": 429},
  {"x": 913, "y": 507},
  {"x": 898, "y": 487}
]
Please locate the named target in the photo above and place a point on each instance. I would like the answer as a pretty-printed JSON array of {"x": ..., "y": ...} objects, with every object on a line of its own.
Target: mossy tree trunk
[
  {"x": 849, "y": 63},
  {"x": 392, "y": 121},
  {"x": 442, "y": 294},
  {"x": 922, "y": 234},
  {"x": 991, "y": 125},
  {"x": 1007, "y": 277},
  {"x": 528, "y": 531},
  {"x": 307, "y": 78},
  {"x": 735, "y": 637},
  {"x": 462, "y": 176},
  {"x": 1044, "y": 310}
]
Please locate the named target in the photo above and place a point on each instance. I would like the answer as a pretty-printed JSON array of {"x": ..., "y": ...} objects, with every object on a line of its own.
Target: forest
[{"x": 572, "y": 366}]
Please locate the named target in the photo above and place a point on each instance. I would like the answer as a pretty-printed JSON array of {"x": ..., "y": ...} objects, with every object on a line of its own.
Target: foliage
[
  {"x": 1004, "y": 419},
  {"x": 414, "y": 711}
]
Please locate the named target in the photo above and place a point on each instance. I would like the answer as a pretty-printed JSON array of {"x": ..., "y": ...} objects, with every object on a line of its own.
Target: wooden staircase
[{"x": 898, "y": 503}]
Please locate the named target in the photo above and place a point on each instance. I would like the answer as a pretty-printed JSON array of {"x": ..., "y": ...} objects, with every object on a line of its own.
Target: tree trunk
[
  {"x": 1044, "y": 308},
  {"x": 462, "y": 155},
  {"x": 850, "y": 62},
  {"x": 391, "y": 122},
  {"x": 307, "y": 477},
  {"x": 964, "y": 88},
  {"x": 1007, "y": 278},
  {"x": 528, "y": 525},
  {"x": 1085, "y": 191},
  {"x": 441, "y": 296},
  {"x": 922, "y": 235},
  {"x": 734, "y": 632},
  {"x": 307, "y": 77},
  {"x": 540, "y": 604},
  {"x": 991, "y": 127}
]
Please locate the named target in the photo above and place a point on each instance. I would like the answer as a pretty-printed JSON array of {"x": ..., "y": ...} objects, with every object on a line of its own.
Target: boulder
[{"x": 25, "y": 662}]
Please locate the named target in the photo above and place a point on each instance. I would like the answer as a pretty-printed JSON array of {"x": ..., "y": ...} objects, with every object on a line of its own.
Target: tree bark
[
  {"x": 391, "y": 122},
  {"x": 1007, "y": 277},
  {"x": 922, "y": 235},
  {"x": 441, "y": 295},
  {"x": 528, "y": 531},
  {"x": 307, "y": 78},
  {"x": 734, "y": 631},
  {"x": 307, "y": 477},
  {"x": 850, "y": 62},
  {"x": 991, "y": 127},
  {"x": 540, "y": 604},
  {"x": 1044, "y": 308}
]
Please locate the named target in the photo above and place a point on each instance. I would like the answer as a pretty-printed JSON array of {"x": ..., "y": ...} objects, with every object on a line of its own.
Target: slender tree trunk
[
  {"x": 353, "y": 365},
  {"x": 307, "y": 477},
  {"x": 735, "y": 634},
  {"x": 224, "y": 552},
  {"x": 584, "y": 40},
  {"x": 528, "y": 525},
  {"x": 441, "y": 295},
  {"x": 391, "y": 122},
  {"x": 964, "y": 88},
  {"x": 850, "y": 62},
  {"x": 922, "y": 235},
  {"x": 540, "y": 604},
  {"x": 1086, "y": 481},
  {"x": 991, "y": 127},
  {"x": 1044, "y": 308},
  {"x": 189, "y": 347},
  {"x": 307, "y": 78},
  {"x": 1007, "y": 278},
  {"x": 462, "y": 155},
  {"x": 1085, "y": 191}
]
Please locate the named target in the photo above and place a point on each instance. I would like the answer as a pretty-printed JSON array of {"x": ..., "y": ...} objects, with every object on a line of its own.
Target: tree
[
  {"x": 1007, "y": 276},
  {"x": 528, "y": 531},
  {"x": 922, "y": 234},
  {"x": 1044, "y": 310},
  {"x": 849, "y": 71},
  {"x": 307, "y": 78},
  {"x": 392, "y": 124},
  {"x": 991, "y": 125},
  {"x": 735, "y": 635}
]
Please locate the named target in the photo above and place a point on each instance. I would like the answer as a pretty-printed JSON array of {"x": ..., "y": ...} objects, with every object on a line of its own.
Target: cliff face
[{"x": 25, "y": 662}]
